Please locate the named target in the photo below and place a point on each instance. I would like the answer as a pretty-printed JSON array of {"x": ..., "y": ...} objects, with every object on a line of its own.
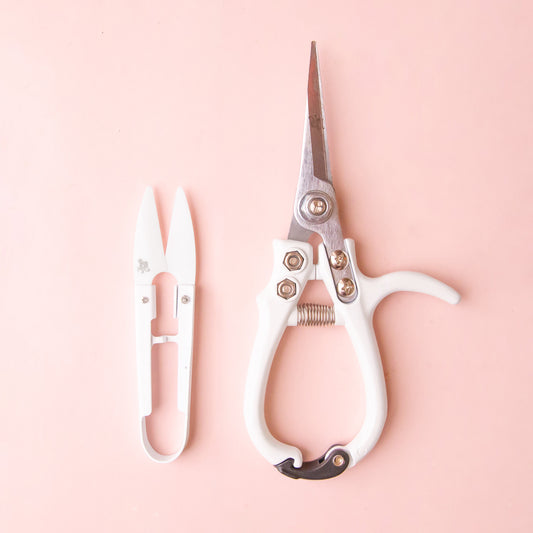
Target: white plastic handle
[
  {"x": 357, "y": 317},
  {"x": 145, "y": 311},
  {"x": 274, "y": 313},
  {"x": 185, "y": 315}
]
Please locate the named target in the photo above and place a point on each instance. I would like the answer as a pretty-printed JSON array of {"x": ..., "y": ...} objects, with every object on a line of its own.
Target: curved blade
[
  {"x": 148, "y": 256},
  {"x": 181, "y": 251}
]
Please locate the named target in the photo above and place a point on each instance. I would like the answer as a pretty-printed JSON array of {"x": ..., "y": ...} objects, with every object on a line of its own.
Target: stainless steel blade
[
  {"x": 148, "y": 256},
  {"x": 315, "y": 204},
  {"x": 315, "y": 170},
  {"x": 315, "y": 120},
  {"x": 181, "y": 251}
]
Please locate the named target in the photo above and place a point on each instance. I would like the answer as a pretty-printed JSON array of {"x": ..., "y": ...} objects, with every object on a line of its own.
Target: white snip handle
[
  {"x": 185, "y": 315},
  {"x": 145, "y": 311}
]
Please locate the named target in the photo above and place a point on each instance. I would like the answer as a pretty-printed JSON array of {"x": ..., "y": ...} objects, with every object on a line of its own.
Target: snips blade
[
  {"x": 315, "y": 123},
  {"x": 148, "y": 256},
  {"x": 315, "y": 171},
  {"x": 181, "y": 250}
]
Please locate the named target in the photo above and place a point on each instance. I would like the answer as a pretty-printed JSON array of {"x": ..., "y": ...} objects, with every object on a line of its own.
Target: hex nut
[
  {"x": 293, "y": 260},
  {"x": 286, "y": 289}
]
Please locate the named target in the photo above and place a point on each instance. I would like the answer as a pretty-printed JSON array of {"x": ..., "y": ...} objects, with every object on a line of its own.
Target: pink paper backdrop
[{"x": 430, "y": 119}]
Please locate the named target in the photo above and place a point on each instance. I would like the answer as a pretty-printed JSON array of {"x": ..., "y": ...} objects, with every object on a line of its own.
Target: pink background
[{"x": 430, "y": 120}]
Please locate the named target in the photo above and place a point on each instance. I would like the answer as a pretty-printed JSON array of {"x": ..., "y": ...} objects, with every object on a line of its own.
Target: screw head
[
  {"x": 293, "y": 260},
  {"x": 317, "y": 206},
  {"x": 338, "y": 259},
  {"x": 338, "y": 460},
  {"x": 345, "y": 287},
  {"x": 145, "y": 299},
  {"x": 185, "y": 299},
  {"x": 286, "y": 289}
]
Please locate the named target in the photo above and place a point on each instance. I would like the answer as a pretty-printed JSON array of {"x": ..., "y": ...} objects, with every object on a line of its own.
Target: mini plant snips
[
  {"x": 354, "y": 295},
  {"x": 149, "y": 260}
]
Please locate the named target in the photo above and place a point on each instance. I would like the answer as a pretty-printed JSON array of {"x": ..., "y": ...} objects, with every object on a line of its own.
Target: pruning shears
[{"x": 354, "y": 295}]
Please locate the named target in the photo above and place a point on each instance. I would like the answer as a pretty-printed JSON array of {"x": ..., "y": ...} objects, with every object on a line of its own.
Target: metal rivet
[
  {"x": 293, "y": 260},
  {"x": 317, "y": 206},
  {"x": 145, "y": 299},
  {"x": 286, "y": 289},
  {"x": 185, "y": 299},
  {"x": 345, "y": 287},
  {"x": 338, "y": 460},
  {"x": 338, "y": 259}
]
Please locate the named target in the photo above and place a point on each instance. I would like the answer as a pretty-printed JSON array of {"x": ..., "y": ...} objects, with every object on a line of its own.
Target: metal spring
[{"x": 316, "y": 315}]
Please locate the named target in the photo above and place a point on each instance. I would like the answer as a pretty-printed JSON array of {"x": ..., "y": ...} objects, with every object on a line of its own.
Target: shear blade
[
  {"x": 315, "y": 123},
  {"x": 315, "y": 153}
]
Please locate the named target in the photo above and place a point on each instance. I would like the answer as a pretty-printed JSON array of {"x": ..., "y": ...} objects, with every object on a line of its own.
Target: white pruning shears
[
  {"x": 354, "y": 295},
  {"x": 149, "y": 261}
]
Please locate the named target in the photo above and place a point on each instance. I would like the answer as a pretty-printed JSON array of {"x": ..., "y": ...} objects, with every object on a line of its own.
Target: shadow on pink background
[{"x": 429, "y": 115}]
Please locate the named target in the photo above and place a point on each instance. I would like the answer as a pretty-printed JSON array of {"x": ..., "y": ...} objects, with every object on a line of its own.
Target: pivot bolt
[
  {"x": 338, "y": 460},
  {"x": 293, "y": 260},
  {"x": 338, "y": 260},
  {"x": 286, "y": 289},
  {"x": 345, "y": 287},
  {"x": 317, "y": 206}
]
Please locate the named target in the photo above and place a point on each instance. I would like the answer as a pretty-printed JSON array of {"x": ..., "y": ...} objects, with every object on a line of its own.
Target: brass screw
[
  {"x": 345, "y": 287},
  {"x": 338, "y": 259},
  {"x": 317, "y": 206},
  {"x": 293, "y": 260},
  {"x": 286, "y": 289},
  {"x": 338, "y": 460}
]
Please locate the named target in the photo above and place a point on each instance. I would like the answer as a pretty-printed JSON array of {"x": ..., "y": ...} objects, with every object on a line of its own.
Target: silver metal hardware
[
  {"x": 286, "y": 289},
  {"x": 185, "y": 299},
  {"x": 145, "y": 299},
  {"x": 293, "y": 260},
  {"x": 315, "y": 315},
  {"x": 338, "y": 460},
  {"x": 338, "y": 259},
  {"x": 316, "y": 207},
  {"x": 345, "y": 287}
]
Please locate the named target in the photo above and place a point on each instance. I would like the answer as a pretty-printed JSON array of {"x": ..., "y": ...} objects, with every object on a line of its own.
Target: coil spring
[{"x": 315, "y": 315}]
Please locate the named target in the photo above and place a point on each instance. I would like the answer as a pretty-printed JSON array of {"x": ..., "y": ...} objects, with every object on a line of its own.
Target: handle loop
[{"x": 277, "y": 304}]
